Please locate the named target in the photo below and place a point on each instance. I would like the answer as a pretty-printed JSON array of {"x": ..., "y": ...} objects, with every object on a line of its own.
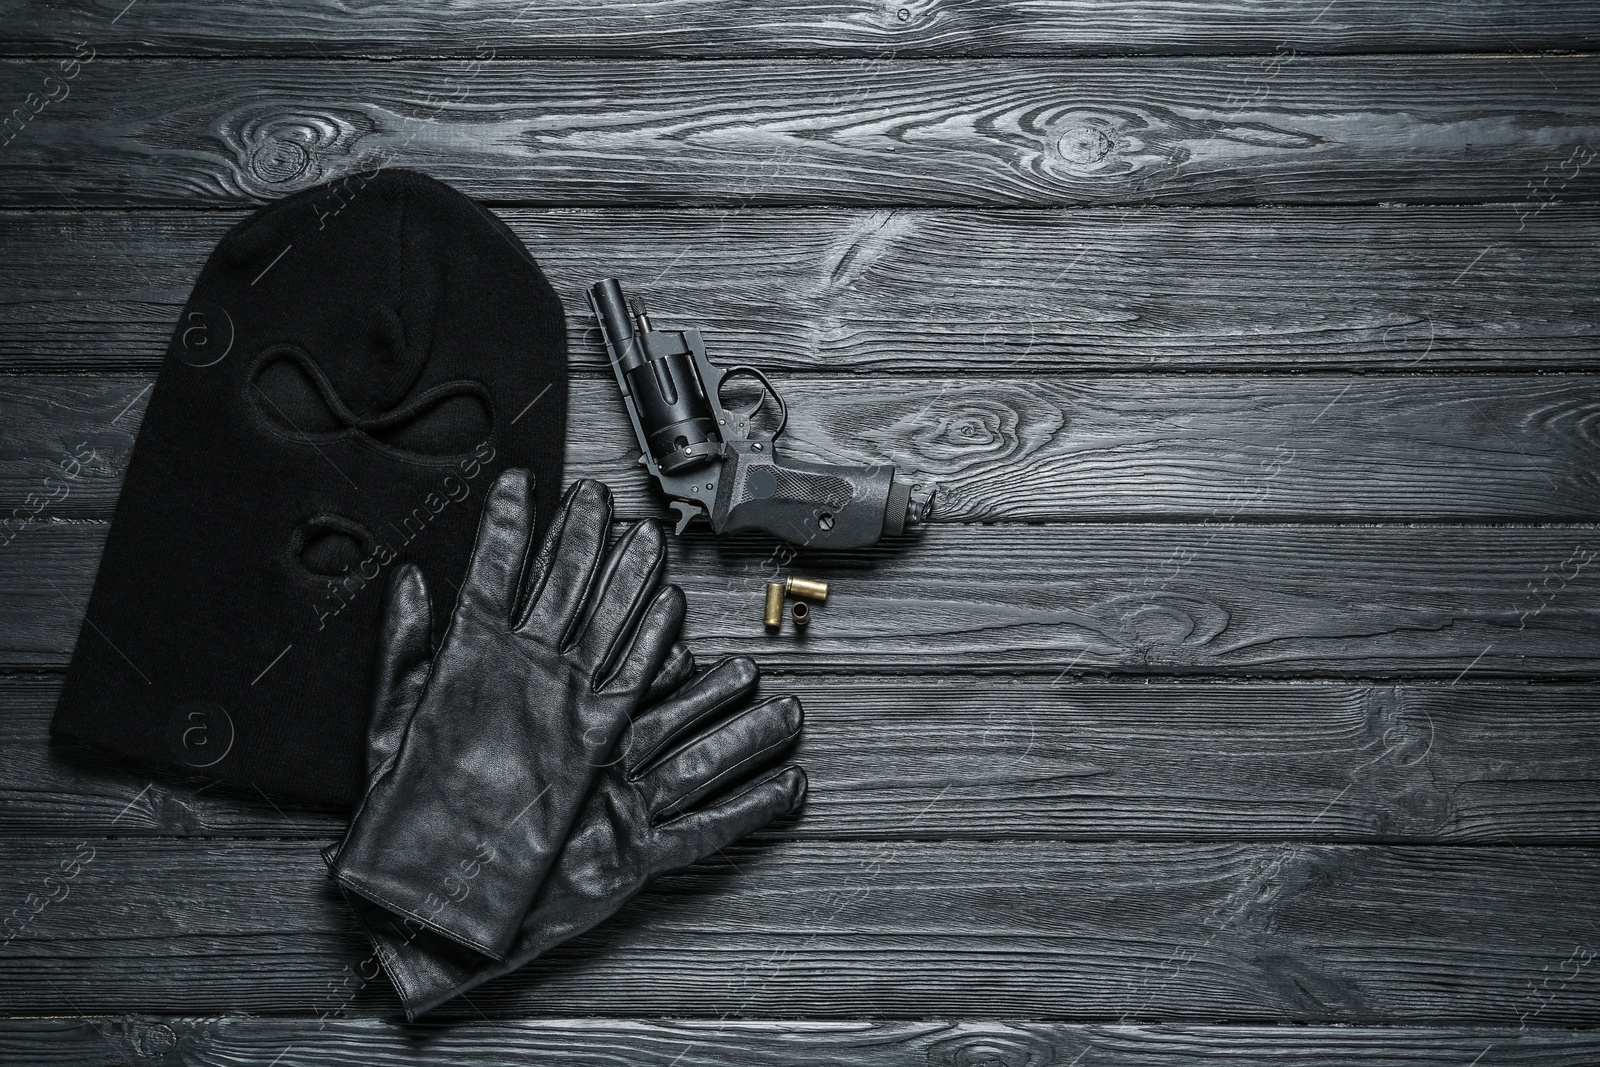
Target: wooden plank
[
  {"x": 1132, "y": 932},
  {"x": 1011, "y": 132},
  {"x": 873, "y": 292},
  {"x": 726, "y": 28},
  {"x": 1052, "y": 449},
  {"x": 1180, "y": 599},
  {"x": 1028, "y": 758},
  {"x": 310, "y": 1041}
]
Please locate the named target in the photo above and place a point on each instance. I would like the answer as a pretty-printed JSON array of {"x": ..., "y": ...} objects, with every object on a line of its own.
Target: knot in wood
[
  {"x": 991, "y": 1048},
  {"x": 951, "y": 438},
  {"x": 1085, "y": 142},
  {"x": 156, "y": 1040},
  {"x": 908, "y": 14},
  {"x": 279, "y": 160},
  {"x": 968, "y": 429},
  {"x": 279, "y": 150},
  {"x": 1169, "y": 628}
]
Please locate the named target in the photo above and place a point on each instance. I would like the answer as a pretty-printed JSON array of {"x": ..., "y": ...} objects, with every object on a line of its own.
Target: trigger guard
[{"x": 766, "y": 383}]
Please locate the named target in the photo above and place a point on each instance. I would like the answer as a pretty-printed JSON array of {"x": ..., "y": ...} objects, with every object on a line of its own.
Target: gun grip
[{"x": 808, "y": 504}]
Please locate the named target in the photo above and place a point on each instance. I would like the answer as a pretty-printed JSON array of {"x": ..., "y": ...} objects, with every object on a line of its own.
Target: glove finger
[
  {"x": 673, "y": 673},
  {"x": 694, "y": 836},
  {"x": 503, "y": 533},
  {"x": 702, "y": 700},
  {"x": 563, "y": 569},
  {"x": 400, "y": 674},
  {"x": 632, "y": 572},
  {"x": 678, "y": 667},
  {"x": 723, "y": 756},
  {"x": 651, "y": 641}
]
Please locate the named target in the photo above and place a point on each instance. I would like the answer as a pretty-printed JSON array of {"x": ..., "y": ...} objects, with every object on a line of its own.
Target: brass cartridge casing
[
  {"x": 800, "y": 611},
  {"x": 809, "y": 588},
  {"x": 774, "y": 614}
]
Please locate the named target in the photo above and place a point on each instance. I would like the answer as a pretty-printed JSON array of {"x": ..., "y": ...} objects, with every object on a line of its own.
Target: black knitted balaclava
[{"x": 355, "y": 366}]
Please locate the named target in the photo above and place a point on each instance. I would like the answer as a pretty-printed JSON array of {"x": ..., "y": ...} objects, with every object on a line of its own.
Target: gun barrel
[{"x": 616, "y": 323}]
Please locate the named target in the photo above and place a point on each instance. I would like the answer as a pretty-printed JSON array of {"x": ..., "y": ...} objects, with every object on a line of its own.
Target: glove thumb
[{"x": 401, "y": 667}]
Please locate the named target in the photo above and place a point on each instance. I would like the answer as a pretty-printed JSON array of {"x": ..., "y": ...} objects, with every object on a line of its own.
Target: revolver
[{"x": 713, "y": 464}]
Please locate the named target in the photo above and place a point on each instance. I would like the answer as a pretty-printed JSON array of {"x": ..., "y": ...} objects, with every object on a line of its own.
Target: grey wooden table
[{"x": 1240, "y": 707}]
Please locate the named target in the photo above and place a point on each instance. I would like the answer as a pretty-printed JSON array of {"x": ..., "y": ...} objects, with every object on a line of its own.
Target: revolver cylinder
[{"x": 659, "y": 371}]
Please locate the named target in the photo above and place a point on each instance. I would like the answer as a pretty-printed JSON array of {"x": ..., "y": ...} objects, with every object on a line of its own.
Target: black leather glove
[
  {"x": 518, "y": 712},
  {"x": 648, "y": 813}
]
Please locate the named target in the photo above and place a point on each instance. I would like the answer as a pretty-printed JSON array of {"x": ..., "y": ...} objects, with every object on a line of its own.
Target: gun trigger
[{"x": 686, "y": 513}]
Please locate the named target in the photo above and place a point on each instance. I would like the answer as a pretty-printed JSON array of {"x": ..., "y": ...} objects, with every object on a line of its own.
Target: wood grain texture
[
  {"x": 1044, "y": 448},
  {"x": 938, "y": 292},
  {"x": 1126, "y": 932},
  {"x": 1027, "y": 758},
  {"x": 1013, "y": 132},
  {"x": 995, "y": 831},
  {"x": 234, "y": 1041},
  {"x": 725, "y": 28},
  {"x": 1152, "y": 599}
]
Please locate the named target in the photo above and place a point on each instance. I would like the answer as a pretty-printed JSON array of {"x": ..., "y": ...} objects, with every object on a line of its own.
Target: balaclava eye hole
[
  {"x": 291, "y": 393},
  {"x": 286, "y": 392}
]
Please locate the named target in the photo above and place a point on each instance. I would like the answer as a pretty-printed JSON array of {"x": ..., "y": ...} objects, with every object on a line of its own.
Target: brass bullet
[
  {"x": 774, "y": 614},
  {"x": 800, "y": 611},
  {"x": 809, "y": 588}
]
